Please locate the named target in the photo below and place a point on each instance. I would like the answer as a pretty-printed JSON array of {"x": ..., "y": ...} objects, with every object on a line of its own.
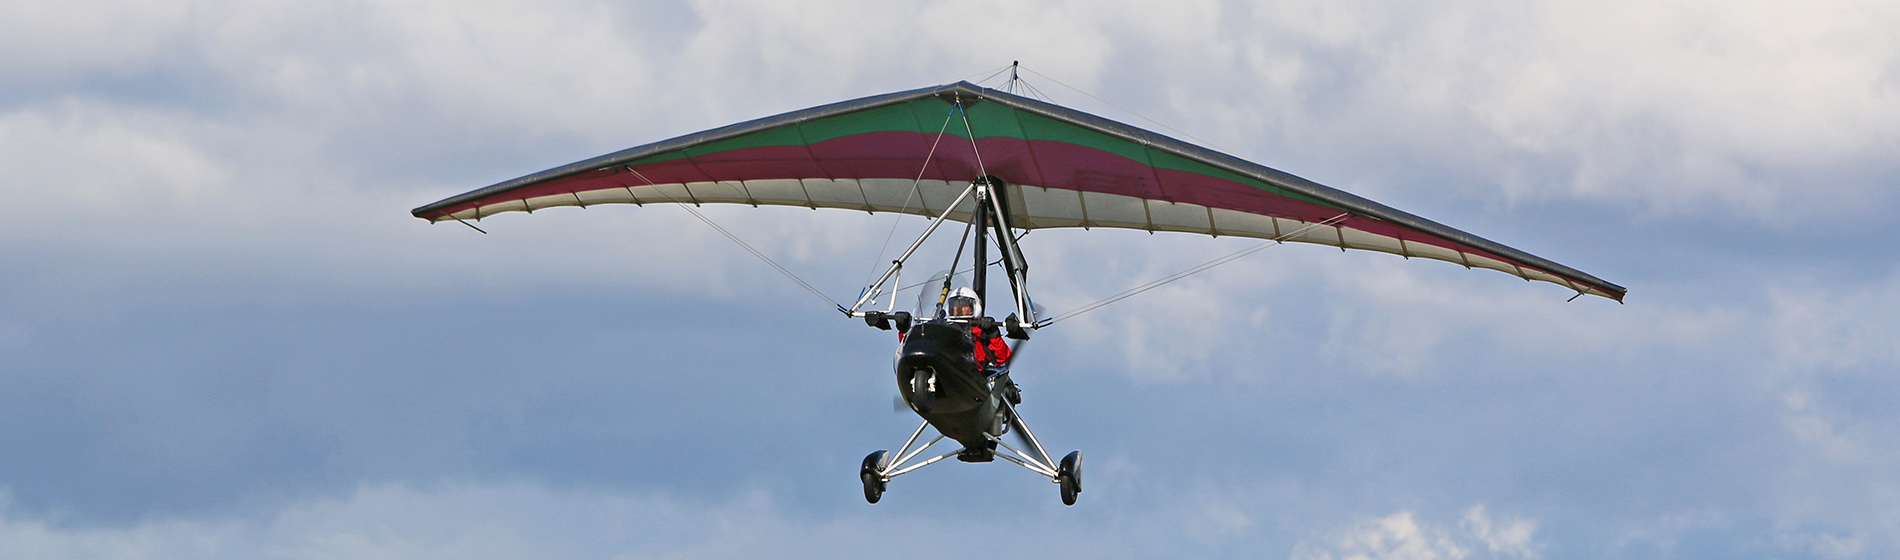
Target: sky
[{"x": 223, "y": 336}]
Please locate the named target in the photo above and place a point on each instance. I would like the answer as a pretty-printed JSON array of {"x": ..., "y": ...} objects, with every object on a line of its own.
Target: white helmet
[{"x": 964, "y": 297}]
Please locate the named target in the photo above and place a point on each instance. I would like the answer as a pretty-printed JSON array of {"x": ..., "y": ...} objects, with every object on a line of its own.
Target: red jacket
[{"x": 997, "y": 348}]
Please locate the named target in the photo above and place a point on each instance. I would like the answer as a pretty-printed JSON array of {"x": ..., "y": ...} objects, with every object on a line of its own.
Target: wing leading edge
[{"x": 1065, "y": 168}]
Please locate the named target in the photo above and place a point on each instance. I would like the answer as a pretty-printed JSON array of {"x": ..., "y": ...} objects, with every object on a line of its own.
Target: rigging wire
[
  {"x": 972, "y": 268},
  {"x": 1015, "y": 84},
  {"x": 992, "y": 75},
  {"x": 1230, "y": 257},
  {"x": 471, "y": 226},
  {"x": 1034, "y": 92},
  {"x": 761, "y": 256},
  {"x": 914, "y": 193},
  {"x": 982, "y": 172},
  {"x": 747, "y": 247}
]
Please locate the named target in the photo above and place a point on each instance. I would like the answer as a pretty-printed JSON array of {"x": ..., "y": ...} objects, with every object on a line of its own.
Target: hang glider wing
[{"x": 910, "y": 152}]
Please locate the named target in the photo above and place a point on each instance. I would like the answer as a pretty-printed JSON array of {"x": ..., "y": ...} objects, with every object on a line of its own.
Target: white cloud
[
  {"x": 1394, "y": 537},
  {"x": 64, "y": 40},
  {"x": 470, "y": 520},
  {"x": 1399, "y": 317},
  {"x": 79, "y": 161},
  {"x": 1826, "y": 339},
  {"x": 451, "y": 520},
  {"x": 1756, "y": 109},
  {"x": 1818, "y": 328},
  {"x": 1824, "y": 545},
  {"x": 1511, "y": 538},
  {"x": 1401, "y": 536}
]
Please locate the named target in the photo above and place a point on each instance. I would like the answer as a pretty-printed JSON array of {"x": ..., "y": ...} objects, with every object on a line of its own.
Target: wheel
[
  {"x": 868, "y": 473},
  {"x": 1069, "y": 475},
  {"x": 920, "y": 395}
]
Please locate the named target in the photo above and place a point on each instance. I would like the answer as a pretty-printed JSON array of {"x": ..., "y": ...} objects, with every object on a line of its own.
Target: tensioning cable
[
  {"x": 992, "y": 74},
  {"x": 914, "y": 192},
  {"x": 761, "y": 256},
  {"x": 747, "y": 247}
]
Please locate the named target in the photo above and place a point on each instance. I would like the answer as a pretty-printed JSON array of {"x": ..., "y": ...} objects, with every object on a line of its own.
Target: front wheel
[
  {"x": 1069, "y": 476},
  {"x": 921, "y": 397},
  {"x": 868, "y": 473}
]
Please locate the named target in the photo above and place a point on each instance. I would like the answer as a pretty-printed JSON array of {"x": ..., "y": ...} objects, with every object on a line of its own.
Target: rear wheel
[
  {"x": 1069, "y": 476},
  {"x": 868, "y": 473}
]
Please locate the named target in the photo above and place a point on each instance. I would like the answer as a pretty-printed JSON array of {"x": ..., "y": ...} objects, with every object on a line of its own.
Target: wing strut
[
  {"x": 872, "y": 291},
  {"x": 1013, "y": 262}
]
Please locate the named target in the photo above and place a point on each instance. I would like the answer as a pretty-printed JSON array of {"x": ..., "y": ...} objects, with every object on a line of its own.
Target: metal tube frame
[
  {"x": 1044, "y": 467},
  {"x": 1018, "y": 280},
  {"x": 920, "y": 451},
  {"x": 905, "y": 454},
  {"x": 878, "y": 287},
  {"x": 913, "y": 439},
  {"x": 927, "y": 462},
  {"x": 1033, "y": 467},
  {"x": 1026, "y": 460},
  {"x": 1027, "y": 434}
]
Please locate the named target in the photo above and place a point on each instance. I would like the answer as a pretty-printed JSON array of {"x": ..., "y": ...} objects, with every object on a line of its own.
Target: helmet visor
[{"x": 962, "y": 306}]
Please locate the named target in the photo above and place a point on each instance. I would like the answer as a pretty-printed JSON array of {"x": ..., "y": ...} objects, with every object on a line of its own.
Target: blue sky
[{"x": 223, "y": 336}]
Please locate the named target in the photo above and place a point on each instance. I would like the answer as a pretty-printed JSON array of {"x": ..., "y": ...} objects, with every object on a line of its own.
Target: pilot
[{"x": 990, "y": 351}]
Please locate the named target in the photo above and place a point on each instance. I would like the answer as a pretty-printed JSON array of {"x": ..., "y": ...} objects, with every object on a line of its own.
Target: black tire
[
  {"x": 1069, "y": 475},
  {"x": 920, "y": 395},
  {"x": 867, "y": 473}
]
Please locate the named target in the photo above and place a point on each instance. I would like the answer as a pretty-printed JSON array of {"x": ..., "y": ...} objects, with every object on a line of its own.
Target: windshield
[{"x": 931, "y": 295}]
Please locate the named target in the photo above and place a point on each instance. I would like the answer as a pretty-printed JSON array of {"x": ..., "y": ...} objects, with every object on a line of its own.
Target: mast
[
  {"x": 1014, "y": 267},
  {"x": 981, "y": 231}
]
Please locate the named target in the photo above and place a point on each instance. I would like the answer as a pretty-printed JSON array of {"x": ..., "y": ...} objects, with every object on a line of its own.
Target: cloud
[
  {"x": 1756, "y": 110},
  {"x": 1401, "y": 536},
  {"x": 1402, "y": 317},
  {"x": 90, "y": 161},
  {"x": 467, "y": 519},
  {"x": 1394, "y": 537},
  {"x": 1819, "y": 327},
  {"x": 52, "y": 42},
  {"x": 1512, "y": 538},
  {"x": 447, "y": 520}
]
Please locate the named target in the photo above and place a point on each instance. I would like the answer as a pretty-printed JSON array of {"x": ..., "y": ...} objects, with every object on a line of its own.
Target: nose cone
[{"x": 936, "y": 344}]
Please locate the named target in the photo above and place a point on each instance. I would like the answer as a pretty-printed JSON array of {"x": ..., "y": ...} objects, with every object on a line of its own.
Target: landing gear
[
  {"x": 881, "y": 467},
  {"x": 923, "y": 397},
  {"x": 869, "y": 474},
  {"x": 1069, "y": 476}
]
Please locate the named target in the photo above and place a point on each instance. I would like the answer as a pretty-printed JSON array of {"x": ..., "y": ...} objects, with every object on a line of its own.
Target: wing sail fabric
[{"x": 1064, "y": 168}]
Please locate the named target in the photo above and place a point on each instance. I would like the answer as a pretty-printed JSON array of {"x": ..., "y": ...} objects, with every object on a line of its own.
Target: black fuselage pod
[{"x": 960, "y": 404}]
